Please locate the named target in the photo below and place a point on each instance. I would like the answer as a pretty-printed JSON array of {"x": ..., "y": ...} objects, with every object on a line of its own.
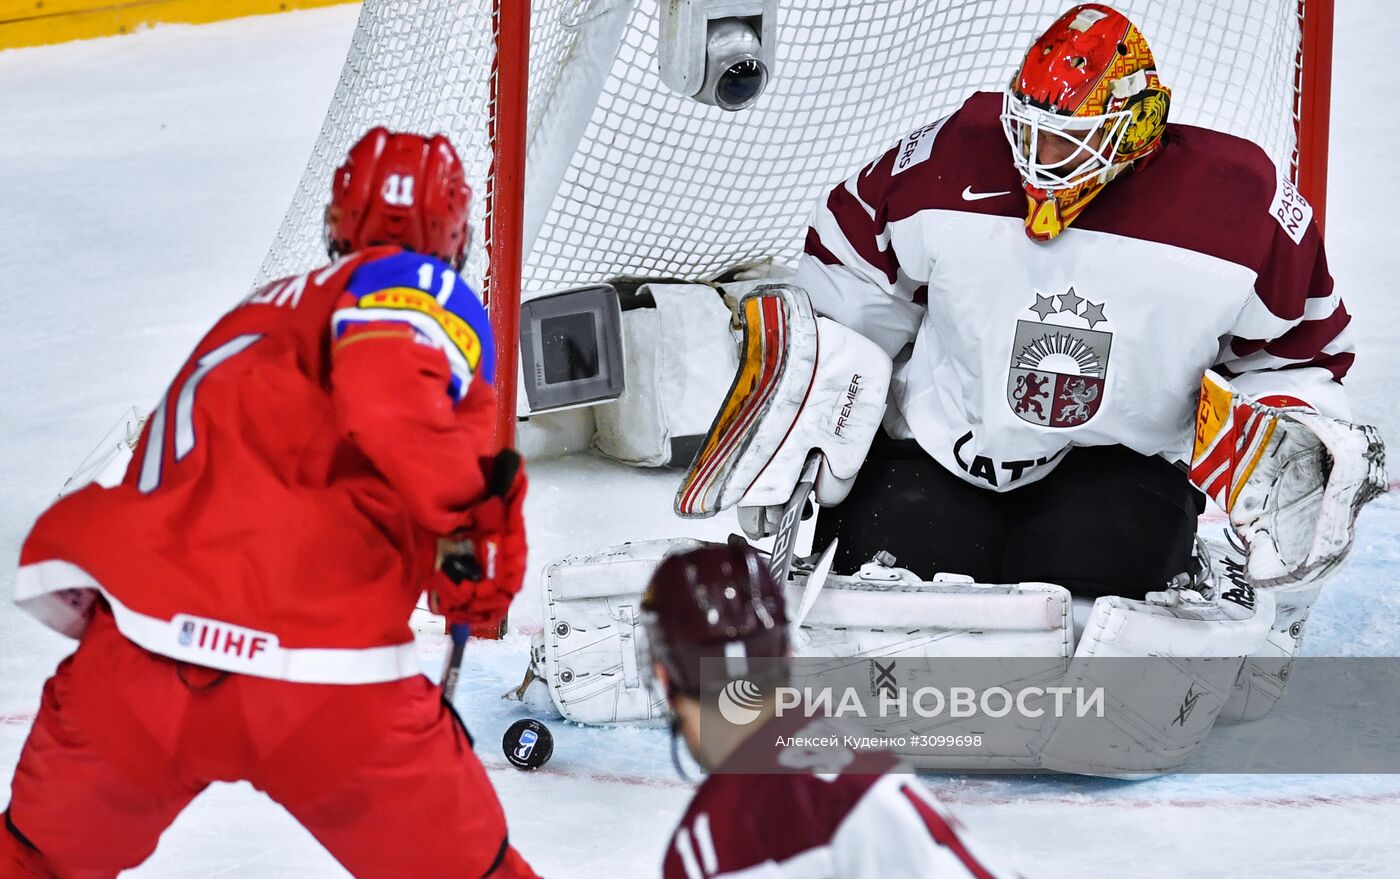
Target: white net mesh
[{"x": 625, "y": 177}]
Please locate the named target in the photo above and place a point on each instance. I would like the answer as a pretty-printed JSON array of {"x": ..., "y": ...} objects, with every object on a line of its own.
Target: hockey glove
[
  {"x": 1291, "y": 480},
  {"x": 482, "y": 564}
]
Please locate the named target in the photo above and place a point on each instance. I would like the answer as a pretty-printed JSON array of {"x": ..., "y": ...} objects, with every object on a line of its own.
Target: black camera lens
[{"x": 740, "y": 84}]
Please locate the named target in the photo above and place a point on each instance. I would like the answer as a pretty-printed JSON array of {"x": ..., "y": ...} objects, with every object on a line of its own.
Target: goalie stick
[
  {"x": 816, "y": 581},
  {"x": 785, "y": 541}
]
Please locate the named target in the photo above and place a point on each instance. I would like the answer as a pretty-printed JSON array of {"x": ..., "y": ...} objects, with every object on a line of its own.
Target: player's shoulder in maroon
[
  {"x": 961, "y": 162},
  {"x": 742, "y": 816},
  {"x": 739, "y": 821},
  {"x": 1206, "y": 191},
  {"x": 1223, "y": 169}
]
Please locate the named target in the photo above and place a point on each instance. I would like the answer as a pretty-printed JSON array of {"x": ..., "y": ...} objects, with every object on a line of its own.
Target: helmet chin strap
[
  {"x": 675, "y": 727},
  {"x": 676, "y": 754}
]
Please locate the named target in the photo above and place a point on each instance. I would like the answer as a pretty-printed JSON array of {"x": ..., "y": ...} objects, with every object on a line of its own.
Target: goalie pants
[
  {"x": 1106, "y": 521},
  {"x": 383, "y": 775}
]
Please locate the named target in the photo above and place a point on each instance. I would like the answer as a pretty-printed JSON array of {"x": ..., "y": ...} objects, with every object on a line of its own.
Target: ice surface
[{"x": 141, "y": 179}]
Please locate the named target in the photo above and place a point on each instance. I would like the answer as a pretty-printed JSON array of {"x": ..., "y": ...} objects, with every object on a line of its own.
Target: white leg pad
[
  {"x": 593, "y": 659},
  {"x": 888, "y": 612},
  {"x": 592, "y": 653},
  {"x": 861, "y": 615},
  {"x": 1159, "y": 711},
  {"x": 1264, "y": 678}
]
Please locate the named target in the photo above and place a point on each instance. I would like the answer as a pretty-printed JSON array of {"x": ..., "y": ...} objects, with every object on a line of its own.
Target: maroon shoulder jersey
[{"x": 826, "y": 811}]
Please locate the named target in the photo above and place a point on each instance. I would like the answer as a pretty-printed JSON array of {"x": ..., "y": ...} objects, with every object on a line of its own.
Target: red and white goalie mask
[{"x": 1085, "y": 105}]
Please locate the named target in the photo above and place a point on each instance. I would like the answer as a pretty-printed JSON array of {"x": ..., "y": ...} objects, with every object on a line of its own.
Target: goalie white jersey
[{"x": 1203, "y": 258}]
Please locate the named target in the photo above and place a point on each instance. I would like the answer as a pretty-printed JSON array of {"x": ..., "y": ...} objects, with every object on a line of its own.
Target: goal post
[
  {"x": 507, "y": 123},
  {"x": 586, "y": 167},
  {"x": 1313, "y": 96}
]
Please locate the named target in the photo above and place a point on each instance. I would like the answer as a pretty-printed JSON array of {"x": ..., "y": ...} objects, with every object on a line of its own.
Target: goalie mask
[{"x": 1085, "y": 105}]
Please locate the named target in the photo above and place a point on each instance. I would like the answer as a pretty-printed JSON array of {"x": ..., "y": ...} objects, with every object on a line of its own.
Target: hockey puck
[{"x": 528, "y": 744}]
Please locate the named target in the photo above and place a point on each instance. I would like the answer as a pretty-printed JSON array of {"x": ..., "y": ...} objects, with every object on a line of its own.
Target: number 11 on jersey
[{"x": 184, "y": 438}]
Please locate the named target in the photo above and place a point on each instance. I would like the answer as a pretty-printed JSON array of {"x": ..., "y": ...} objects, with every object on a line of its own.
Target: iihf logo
[
  {"x": 527, "y": 745},
  {"x": 739, "y": 702},
  {"x": 1059, "y": 370},
  {"x": 187, "y": 633}
]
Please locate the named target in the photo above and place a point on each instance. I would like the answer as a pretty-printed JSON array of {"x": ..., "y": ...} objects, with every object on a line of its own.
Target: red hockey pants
[{"x": 381, "y": 774}]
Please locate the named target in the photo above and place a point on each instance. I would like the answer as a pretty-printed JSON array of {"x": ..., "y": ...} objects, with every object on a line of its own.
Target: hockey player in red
[
  {"x": 242, "y": 597},
  {"x": 827, "y": 812}
]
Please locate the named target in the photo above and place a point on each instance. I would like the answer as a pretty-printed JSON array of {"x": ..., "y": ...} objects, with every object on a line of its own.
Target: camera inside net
[{"x": 718, "y": 52}]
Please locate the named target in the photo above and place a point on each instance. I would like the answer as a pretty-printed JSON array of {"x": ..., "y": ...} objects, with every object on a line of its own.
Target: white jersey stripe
[
  {"x": 685, "y": 848},
  {"x": 852, "y": 185},
  {"x": 829, "y": 233},
  {"x": 705, "y": 842}
]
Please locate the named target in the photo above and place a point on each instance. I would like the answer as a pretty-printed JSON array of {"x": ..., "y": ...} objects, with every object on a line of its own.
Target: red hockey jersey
[
  {"x": 849, "y": 815},
  {"x": 280, "y": 515}
]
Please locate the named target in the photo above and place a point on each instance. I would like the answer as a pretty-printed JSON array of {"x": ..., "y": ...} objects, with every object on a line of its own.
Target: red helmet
[
  {"x": 1085, "y": 104},
  {"x": 713, "y": 601},
  {"x": 402, "y": 189}
]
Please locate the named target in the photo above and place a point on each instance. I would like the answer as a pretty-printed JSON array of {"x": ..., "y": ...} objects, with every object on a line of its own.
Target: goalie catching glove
[
  {"x": 481, "y": 565},
  {"x": 1291, "y": 480}
]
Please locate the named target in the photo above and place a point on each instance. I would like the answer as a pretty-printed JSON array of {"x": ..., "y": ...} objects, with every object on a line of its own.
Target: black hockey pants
[{"x": 1106, "y": 521}]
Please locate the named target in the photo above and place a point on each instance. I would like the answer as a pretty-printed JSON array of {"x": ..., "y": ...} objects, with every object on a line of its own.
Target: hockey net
[{"x": 628, "y": 178}]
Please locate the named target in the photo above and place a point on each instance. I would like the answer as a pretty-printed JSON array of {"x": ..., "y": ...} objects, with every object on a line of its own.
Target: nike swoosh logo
[{"x": 969, "y": 195}]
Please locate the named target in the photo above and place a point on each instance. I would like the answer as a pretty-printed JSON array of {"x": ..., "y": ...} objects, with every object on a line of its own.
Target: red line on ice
[
  {"x": 1030, "y": 798},
  {"x": 972, "y": 797}
]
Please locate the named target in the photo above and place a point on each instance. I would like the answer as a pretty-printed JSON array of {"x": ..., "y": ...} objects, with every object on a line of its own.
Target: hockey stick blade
[{"x": 815, "y": 581}]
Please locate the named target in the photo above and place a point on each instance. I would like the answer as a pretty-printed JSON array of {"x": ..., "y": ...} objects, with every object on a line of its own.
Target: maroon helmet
[{"x": 714, "y": 601}]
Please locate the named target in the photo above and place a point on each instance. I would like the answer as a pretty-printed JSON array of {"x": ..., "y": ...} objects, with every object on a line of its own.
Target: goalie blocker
[{"x": 805, "y": 385}]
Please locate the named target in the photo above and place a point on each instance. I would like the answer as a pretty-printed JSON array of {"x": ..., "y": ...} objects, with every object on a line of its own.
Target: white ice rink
[{"x": 141, "y": 180}]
